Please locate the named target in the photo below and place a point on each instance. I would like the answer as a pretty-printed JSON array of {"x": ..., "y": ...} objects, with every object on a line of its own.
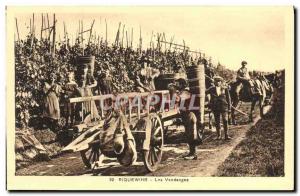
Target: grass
[{"x": 260, "y": 154}]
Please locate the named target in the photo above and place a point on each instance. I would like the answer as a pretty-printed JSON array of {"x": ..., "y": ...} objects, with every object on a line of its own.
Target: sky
[{"x": 228, "y": 35}]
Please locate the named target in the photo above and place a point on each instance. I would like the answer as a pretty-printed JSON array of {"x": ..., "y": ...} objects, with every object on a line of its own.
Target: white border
[{"x": 93, "y": 2}]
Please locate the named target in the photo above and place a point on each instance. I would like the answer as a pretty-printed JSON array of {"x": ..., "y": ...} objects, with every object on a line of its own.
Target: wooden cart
[{"x": 149, "y": 139}]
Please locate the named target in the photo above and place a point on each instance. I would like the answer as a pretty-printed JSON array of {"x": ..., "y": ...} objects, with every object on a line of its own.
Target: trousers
[{"x": 224, "y": 116}]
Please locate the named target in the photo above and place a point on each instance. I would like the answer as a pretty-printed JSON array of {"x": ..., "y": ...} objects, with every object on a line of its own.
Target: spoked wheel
[
  {"x": 152, "y": 157},
  {"x": 91, "y": 155}
]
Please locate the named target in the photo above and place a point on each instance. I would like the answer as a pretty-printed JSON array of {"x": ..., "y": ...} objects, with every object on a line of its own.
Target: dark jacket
[
  {"x": 105, "y": 83},
  {"x": 222, "y": 102}
]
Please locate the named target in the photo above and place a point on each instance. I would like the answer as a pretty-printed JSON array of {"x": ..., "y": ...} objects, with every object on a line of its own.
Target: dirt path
[{"x": 210, "y": 155}]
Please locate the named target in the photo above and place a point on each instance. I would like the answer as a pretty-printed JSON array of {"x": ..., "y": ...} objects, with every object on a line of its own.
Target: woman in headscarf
[{"x": 51, "y": 110}]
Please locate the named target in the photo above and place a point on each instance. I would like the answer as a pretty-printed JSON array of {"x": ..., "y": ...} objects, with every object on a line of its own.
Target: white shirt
[{"x": 218, "y": 90}]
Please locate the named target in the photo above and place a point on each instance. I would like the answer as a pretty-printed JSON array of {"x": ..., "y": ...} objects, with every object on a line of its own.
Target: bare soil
[{"x": 210, "y": 156}]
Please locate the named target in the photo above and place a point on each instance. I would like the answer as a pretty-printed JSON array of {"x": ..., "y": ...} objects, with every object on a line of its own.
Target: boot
[
  {"x": 191, "y": 157},
  {"x": 192, "y": 154},
  {"x": 218, "y": 134}
]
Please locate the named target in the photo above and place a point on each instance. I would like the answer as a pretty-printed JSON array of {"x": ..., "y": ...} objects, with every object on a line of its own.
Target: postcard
[{"x": 150, "y": 98}]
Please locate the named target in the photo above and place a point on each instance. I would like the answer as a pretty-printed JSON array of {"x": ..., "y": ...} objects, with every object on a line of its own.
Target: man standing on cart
[{"x": 145, "y": 79}]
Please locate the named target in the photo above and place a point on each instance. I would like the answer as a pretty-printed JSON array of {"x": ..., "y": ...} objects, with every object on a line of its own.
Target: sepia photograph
[{"x": 150, "y": 98}]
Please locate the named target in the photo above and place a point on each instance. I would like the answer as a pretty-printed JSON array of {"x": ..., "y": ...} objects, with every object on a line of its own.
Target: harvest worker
[
  {"x": 242, "y": 76},
  {"x": 105, "y": 82},
  {"x": 145, "y": 79},
  {"x": 86, "y": 84},
  {"x": 71, "y": 91},
  {"x": 51, "y": 110},
  {"x": 193, "y": 130},
  {"x": 220, "y": 104}
]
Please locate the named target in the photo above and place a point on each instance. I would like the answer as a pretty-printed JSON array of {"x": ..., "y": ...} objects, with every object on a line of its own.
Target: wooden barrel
[
  {"x": 196, "y": 80},
  {"x": 82, "y": 61},
  {"x": 163, "y": 80},
  {"x": 180, "y": 76}
]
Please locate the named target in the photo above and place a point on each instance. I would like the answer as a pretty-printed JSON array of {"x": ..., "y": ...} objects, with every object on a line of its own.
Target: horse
[
  {"x": 246, "y": 94},
  {"x": 275, "y": 78},
  {"x": 269, "y": 81}
]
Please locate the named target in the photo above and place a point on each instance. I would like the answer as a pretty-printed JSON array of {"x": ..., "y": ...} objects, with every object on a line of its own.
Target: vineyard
[{"x": 38, "y": 59}]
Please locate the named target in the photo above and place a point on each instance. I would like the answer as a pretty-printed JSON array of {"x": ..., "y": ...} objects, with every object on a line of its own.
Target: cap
[{"x": 244, "y": 62}]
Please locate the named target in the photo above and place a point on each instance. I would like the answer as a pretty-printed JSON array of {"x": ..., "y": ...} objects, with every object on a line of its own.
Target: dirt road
[{"x": 210, "y": 155}]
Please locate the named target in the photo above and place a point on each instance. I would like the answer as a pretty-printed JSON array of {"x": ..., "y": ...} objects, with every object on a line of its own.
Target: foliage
[{"x": 34, "y": 63}]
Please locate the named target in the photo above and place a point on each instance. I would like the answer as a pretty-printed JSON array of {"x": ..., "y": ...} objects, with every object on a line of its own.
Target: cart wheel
[
  {"x": 91, "y": 155},
  {"x": 152, "y": 157}
]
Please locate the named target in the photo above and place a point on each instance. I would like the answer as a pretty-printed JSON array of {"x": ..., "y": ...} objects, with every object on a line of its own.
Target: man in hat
[
  {"x": 220, "y": 104},
  {"x": 242, "y": 75},
  {"x": 244, "y": 78}
]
